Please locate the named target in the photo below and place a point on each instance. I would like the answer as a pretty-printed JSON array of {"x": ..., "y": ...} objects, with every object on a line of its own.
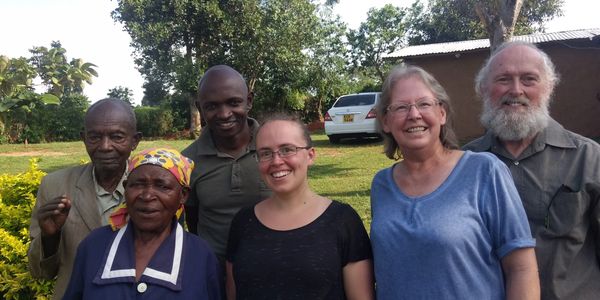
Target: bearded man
[{"x": 556, "y": 171}]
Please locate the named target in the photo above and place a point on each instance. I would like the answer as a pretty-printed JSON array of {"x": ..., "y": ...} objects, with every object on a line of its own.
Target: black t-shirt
[{"x": 302, "y": 263}]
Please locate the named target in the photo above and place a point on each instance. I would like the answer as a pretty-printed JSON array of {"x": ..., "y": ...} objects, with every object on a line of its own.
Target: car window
[{"x": 355, "y": 100}]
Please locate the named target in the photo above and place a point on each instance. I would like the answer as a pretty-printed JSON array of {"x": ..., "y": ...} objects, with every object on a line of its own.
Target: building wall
[{"x": 576, "y": 101}]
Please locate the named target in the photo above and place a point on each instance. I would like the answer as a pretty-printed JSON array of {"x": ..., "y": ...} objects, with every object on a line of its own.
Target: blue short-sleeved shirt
[{"x": 447, "y": 244}]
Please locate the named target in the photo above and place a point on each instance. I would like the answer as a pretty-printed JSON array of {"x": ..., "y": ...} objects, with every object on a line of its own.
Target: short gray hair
[
  {"x": 481, "y": 79},
  {"x": 403, "y": 71}
]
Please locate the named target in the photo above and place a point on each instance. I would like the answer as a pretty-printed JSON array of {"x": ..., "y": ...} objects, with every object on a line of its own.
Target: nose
[
  {"x": 147, "y": 193},
  {"x": 413, "y": 112},
  {"x": 105, "y": 144},
  {"x": 516, "y": 88},
  {"x": 276, "y": 158},
  {"x": 224, "y": 112}
]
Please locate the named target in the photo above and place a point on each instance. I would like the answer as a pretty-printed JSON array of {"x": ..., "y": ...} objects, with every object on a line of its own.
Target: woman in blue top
[{"x": 447, "y": 224}]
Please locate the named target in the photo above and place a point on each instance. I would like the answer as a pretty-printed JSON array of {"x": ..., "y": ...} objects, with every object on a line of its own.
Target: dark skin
[
  {"x": 153, "y": 196},
  {"x": 109, "y": 137},
  {"x": 224, "y": 101}
]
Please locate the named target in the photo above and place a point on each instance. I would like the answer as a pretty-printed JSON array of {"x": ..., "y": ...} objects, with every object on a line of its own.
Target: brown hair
[{"x": 283, "y": 116}]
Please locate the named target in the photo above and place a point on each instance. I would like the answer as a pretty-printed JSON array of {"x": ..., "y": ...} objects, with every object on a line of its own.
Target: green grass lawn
[{"x": 342, "y": 172}]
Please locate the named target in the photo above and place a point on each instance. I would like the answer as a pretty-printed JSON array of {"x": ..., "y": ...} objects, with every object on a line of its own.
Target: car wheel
[{"x": 334, "y": 139}]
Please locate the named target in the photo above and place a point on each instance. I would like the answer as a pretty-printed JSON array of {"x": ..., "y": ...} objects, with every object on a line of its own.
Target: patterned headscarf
[{"x": 170, "y": 159}]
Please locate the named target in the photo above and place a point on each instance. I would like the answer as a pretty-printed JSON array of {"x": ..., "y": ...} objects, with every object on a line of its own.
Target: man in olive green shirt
[{"x": 226, "y": 176}]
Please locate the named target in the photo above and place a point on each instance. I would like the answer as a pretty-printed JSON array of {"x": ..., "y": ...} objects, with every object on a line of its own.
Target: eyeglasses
[
  {"x": 423, "y": 106},
  {"x": 265, "y": 155}
]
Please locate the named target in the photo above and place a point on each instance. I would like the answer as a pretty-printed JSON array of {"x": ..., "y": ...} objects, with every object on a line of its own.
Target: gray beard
[{"x": 514, "y": 126}]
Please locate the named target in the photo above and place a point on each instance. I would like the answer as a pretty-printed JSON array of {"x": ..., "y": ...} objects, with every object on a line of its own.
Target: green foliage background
[{"x": 17, "y": 198}]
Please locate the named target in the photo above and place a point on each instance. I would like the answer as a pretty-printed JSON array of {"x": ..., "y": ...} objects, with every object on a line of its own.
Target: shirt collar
[
  {"x": 164, "y": 269},
  {"x": 554, "y": 135},
  {"x": 120, "y": 189}
]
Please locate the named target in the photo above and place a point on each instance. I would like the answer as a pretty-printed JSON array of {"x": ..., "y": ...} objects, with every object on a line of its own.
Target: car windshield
[{"x": 355, "y": 100}]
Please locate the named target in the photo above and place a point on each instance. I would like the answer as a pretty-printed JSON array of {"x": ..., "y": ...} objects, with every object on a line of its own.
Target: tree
[
  {"x": 327, "y": 75},
  {"x": 382, "y": 33},
  {"x": 266, "y": 40},
  {"x": 155, "y": 93},
  {"x": 24, "y": 106},
  {"x": 172, "y": 40},
  {"x": 123, "y": 93},
  {"x": 456, "y": 20},
  {"x": 59, "y": 76},
  {"x": 16, "y": 91}
]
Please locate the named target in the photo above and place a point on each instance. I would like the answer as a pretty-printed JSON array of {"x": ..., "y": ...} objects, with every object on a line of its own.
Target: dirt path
[{"x": 33, "y": 153}]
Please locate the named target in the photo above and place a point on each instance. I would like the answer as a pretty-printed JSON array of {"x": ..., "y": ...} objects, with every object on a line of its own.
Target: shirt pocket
[{"x": 566, "y": 215}]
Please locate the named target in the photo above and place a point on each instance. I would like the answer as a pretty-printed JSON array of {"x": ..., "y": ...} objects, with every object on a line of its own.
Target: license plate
[{"x": 348, "y": 118}]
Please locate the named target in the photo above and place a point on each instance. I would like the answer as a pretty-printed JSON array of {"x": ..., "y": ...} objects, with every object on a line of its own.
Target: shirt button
[
  {"x": 516, "y": 162},
  {"x": 142, "y": 287}
]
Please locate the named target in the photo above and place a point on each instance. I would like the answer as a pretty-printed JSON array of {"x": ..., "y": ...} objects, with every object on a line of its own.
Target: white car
[{"x": 352, "y": 116}]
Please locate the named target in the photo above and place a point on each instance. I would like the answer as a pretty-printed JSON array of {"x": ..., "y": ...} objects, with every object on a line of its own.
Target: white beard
[{"x": 514, "y": 126}]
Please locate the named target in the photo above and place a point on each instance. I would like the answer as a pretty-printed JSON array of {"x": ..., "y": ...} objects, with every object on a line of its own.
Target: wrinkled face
[
  {"x": 415, "y": 129},
  {"x": 109, "y": 137},
  {"x": 516, "y": 94},
  {"x": 224, "y": 103},
  {"x": 153, "y": 195},
  {"x": 288, "y": 174}
]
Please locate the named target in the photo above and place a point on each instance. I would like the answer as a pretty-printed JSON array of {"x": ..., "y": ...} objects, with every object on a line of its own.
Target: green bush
[
  {"x": 63, "y": 122},
  {"x": 47, "y": 123},
  {"x": 154, "y": 121},
  {"x": 17, "y": 198}
]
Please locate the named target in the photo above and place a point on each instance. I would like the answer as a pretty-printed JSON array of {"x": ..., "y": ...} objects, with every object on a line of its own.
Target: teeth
[
  {"x": 415, "y": 129},
  {"x": 280, "y": 174}
]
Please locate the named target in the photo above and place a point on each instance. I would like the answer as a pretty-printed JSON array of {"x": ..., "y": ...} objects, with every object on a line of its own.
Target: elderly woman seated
[{"x": 145, "y": 251}]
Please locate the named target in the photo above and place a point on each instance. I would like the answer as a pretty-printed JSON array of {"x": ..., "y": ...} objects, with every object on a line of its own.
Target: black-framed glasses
[
  {"x": 264, "y": 155},
  {"x": 423, "y": 106}
]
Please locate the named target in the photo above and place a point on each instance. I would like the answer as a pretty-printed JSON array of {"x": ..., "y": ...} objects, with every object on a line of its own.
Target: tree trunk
[
  {"x": 195, "y": 119},
  {"x": 499, "y": 18}
]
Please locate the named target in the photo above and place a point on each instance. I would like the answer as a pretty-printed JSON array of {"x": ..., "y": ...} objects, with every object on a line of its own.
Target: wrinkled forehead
[
  {"x": 109, "y": 114},
  {"x": 516, "y": 60}
]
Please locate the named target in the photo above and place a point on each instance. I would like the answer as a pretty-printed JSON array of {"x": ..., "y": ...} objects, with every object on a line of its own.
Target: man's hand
[{"x": 53, "y": 214}]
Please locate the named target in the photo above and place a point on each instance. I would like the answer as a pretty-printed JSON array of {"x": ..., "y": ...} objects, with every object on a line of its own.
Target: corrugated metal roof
[{"x": 461, "y": 46}]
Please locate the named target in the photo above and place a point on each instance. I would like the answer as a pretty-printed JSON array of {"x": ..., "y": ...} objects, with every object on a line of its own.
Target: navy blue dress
[{"x": 183, "y": 267}]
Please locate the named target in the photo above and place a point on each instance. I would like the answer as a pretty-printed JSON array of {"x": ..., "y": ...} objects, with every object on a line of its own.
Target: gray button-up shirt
[{"x": 558, "y": 179}]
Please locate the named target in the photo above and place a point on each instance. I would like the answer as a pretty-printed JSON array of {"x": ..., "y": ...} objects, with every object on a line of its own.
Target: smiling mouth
[
  {"x": 226, "y": 125},
  {"x": 514, "y": 102},
  {"x": 416, "y": 129},
  {"x": 280, "y": 174}
]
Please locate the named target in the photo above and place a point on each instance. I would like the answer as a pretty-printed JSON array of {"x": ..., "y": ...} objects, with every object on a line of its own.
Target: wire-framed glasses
[
  {"x": 423, "y": 106},
  {"x": 264, "y": 155}
]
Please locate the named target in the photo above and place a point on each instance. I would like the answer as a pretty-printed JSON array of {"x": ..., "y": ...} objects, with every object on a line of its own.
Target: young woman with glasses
[
  {"x": 447, "y": 224},
  {"x": 295, "y": 244}
]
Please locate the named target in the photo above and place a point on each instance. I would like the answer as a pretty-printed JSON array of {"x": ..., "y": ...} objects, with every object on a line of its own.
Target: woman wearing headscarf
[
  {"x": 145, "y": 252},
  {"x": 447, "y": 224}
]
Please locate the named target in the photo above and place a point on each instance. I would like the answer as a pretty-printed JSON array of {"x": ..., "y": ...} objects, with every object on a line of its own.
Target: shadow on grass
[
  {"x": 347, "y": 143},
  {"x": 355, "y": 193},
  {"x": 324, "y": 171}
]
